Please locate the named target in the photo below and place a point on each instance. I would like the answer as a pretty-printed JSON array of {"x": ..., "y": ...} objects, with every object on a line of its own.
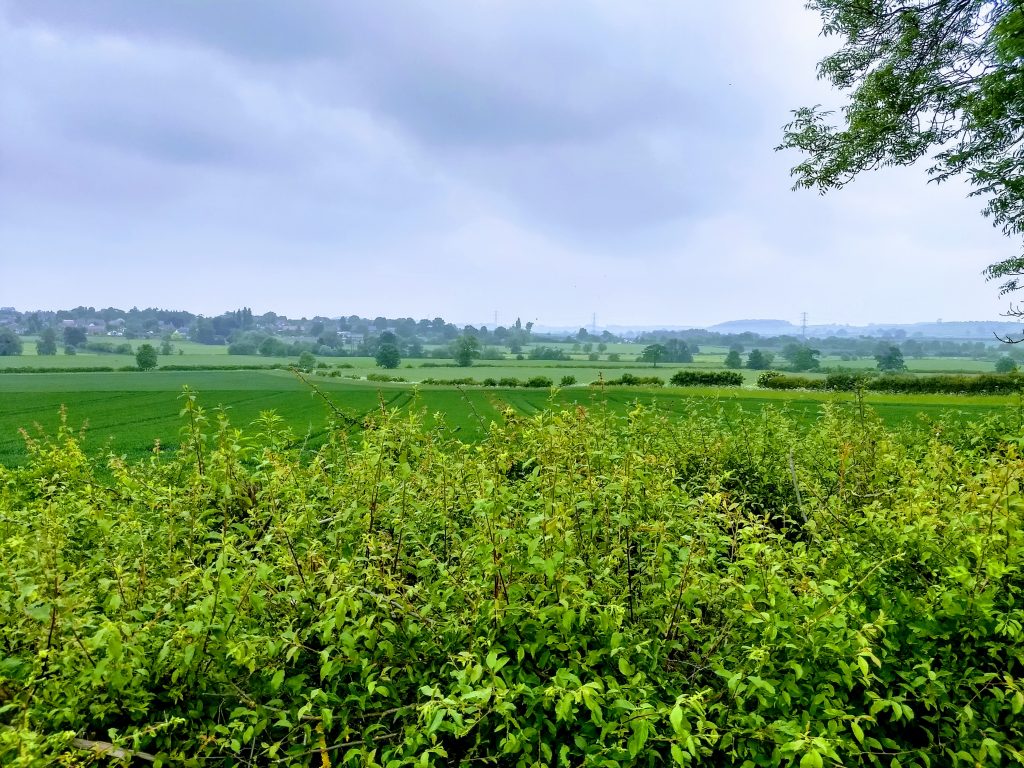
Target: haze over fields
[{"x": 540, "y": 160}]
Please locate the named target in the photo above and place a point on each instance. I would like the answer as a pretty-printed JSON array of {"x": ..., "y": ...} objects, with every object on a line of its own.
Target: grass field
[{"x": 126, "y": 412}]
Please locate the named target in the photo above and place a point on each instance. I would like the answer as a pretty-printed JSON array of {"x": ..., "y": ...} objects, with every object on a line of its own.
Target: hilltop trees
[{"x": 940, "y": 78}]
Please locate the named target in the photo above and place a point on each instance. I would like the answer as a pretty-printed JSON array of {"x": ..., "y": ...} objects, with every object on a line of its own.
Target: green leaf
[
  {"x": 811, "y": 760},
  {"x": 858, "y": 732},
  {"x": 276, "y": 680}
]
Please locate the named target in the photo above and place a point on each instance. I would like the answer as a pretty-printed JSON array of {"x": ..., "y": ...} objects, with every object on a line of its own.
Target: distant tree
[
  {"x": 602, "y": 347},
  {"x": 653, "y": 353},
  {"x": 614, "y": 357},
  {"x": 593, "y": 356},
  {"x": 307, "y": 361},
  {"x": 388, "y": 356},
  {"x": 801, "y": 357},
  {"x": 758, "y": 360},
  {"x": 1006, "y": 365},
  {"x": 677, "y": 351},
  {"x": 732, "y": 360},
  {"x": 204, "y": 332},
  {"x": 146, "y": 357},
  {"x": 273, "y": 347},
  {"x": 166, "y": 347},
  {"x": 74, "y": 337},
  {"x": 47, "y": 343},
  {"x": 891, "y": 361},
  {"x": 10, "y": 344},
  {"x": 567, "y": 381},
  {"x": 464, "y": 349},
  {"x": 316, "y": 328}
]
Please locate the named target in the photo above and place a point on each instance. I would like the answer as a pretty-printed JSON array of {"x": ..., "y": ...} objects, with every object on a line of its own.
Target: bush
[
  {"x": 629, "y": 380},
  {"x": 692, "y": 378},
  {"x": 508, "y": 381},
  {"x": 578, "y": 585},
  {"x": 567, "y": 381},
  {"x": 538, "y": 382},
  {"x": 383, "y": 377},
  {"x": 777, "y": 380},
  {"x": 953, "y": 384}
]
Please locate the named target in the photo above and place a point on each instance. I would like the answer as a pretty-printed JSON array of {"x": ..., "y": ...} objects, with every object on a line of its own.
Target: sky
[{"x": 470, "y": 160}]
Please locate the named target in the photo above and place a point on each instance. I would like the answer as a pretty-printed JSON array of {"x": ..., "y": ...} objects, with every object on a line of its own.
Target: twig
[{"x": 106, "y": 749}]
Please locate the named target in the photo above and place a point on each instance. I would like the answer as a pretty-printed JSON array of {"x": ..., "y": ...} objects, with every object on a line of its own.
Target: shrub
[
  {"x": 694, "y": 591},
  {"x": 508, "y": 381},
  {"x": 567, "y": 381},
  {"x": 629, "y": 380},
  {"x": 693, "y": 378},
  {"x": 538, "y": 382}
]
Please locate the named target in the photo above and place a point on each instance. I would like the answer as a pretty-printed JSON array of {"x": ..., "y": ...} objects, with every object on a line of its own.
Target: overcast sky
[{"x": 542, "y": 159}]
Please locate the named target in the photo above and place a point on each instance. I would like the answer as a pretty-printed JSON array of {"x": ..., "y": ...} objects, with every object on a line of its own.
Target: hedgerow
[
  {"x": 580, "y": 589},
  {"x": 954, "y": 384},
  {"x": 691, "y": 378}
]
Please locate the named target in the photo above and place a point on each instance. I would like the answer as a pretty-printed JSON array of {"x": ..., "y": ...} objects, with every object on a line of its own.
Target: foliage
[
  {"x": 983, "y": 384},
  {"x": 465, "y": 349},
  {"x": 652, "y": 353},
  {"x": 146, "y": 357},
  {"x": 73, "y": 337},
  {"x": 580, "y": 589},
  {"x": 47, "y": 343},
  {"x": 567, "y": 381},
  {"x": 801, "y": 357},
  {"x": 733, "y": 359},
  {"x": 383, "y": 377},
  {"x": 923, "y": 76},
  {"x": 388, "y": 356},
  {"x": 541, "y": 352},
  {"x": 890, "y": 360},
  {"x": 690, "y": 378},
  {"x": 306, "y": 361},
  {"x": 630, "y": 380},
  {"x": 759, "y": 361},
  {"x": 273, "y": 347},
  {"x": 1006, "y": 364},
  {"x": 538, "y": 382},
  {"x": 10, "y": 343}
]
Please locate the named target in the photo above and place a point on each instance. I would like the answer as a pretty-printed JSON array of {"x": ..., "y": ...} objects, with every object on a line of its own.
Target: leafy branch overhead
[{"x": 940, "y": 78}]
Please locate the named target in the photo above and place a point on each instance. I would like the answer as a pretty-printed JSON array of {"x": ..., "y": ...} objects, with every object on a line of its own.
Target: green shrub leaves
[{"x": 579, "y": 589}]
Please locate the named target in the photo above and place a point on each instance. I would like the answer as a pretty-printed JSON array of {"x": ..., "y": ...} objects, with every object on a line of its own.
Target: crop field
[{"x": 125, "y": 412}]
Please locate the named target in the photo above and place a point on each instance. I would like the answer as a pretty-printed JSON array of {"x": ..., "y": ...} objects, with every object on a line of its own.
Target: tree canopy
[
  {"x": 10, "y": 344},
  {"x": 938, "y": 78}
]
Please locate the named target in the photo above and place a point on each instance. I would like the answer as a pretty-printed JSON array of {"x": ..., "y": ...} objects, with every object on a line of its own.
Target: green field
[{"x": 126, "y": 412}]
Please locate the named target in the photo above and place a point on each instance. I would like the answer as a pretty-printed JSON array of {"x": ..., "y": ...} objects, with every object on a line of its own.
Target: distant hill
[{"x": 760, "y": 327}]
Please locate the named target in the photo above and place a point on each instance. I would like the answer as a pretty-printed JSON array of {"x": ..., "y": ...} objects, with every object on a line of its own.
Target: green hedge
[
  {"x": 978, "y": 384},
  {"x": 690, "y": 378},
  {"x": 579, "y": 589},
  {"x": 629, "y": 380}
]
